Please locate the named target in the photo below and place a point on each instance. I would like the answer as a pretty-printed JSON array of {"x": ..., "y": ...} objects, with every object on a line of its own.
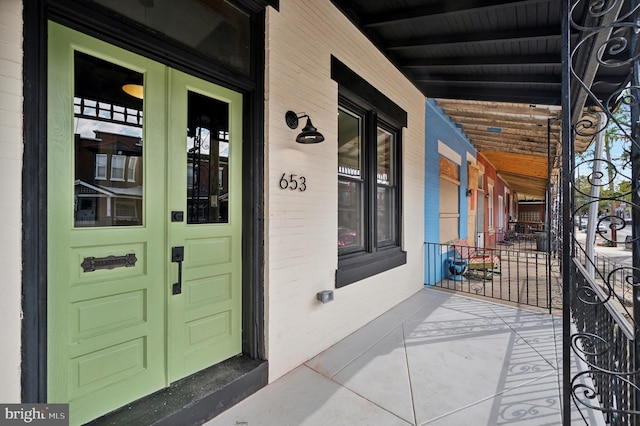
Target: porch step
[{"x": 194, "y": 399}]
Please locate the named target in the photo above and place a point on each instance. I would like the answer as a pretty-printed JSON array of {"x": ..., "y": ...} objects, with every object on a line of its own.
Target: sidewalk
[{"x": 437, "y": 359}]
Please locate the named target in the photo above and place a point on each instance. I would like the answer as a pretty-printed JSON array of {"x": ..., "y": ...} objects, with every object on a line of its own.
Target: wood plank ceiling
[{"x": 494, "y": 66}]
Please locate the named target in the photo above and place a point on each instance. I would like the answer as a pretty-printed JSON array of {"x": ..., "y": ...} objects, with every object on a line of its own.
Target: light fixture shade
[
  {"x": 309, "y": 134},
  {"x": 133, "y": 86},
  {"x": 135, "y": 90}
]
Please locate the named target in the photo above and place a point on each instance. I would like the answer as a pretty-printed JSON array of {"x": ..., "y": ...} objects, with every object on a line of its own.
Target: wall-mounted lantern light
[
  {"x": 469, "y": 193},
  {"x": 309, "y": 133}
]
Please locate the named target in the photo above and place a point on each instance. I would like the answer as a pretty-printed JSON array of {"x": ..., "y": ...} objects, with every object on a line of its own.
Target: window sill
[{"x": 356, "y": 267}]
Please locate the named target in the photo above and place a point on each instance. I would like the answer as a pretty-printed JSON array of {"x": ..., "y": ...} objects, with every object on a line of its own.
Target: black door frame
[{"x": 107, "y": 26}]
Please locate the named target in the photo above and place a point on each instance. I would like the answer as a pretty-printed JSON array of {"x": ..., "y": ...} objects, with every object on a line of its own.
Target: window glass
[
  {"x": 108, "y": 127},
  {"x": 365, "y": 195},
  {"x": 101, "y": 166},
  {"x": 215, "y": 28},
  {"x": 125, "y": 209},
  {"x": 350, "y": 218},
  {"x": 385, "y": 157},
  {"x": 207, "y": 165},
  {"x": 117, "y": 167},
  {"x": 449, "y": 200},
  {"x": 369, "y": 178},
  {"x": 350, "y": 183},
  {"x": 386, "y": 204},
  {"x": 132, "y": 169},
  {"x": 349, "y": 144},
  {"x": 449, "y": 210},
  {"x": 490, "y": 207},
  {"x": 385, "y": 197}
]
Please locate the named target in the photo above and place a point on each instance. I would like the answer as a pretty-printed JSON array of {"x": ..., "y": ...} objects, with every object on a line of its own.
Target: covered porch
[{"x": 437, "y": 358}]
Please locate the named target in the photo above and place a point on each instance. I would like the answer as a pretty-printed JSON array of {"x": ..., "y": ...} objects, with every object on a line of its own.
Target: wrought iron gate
[{"x": 601, "y": 363}]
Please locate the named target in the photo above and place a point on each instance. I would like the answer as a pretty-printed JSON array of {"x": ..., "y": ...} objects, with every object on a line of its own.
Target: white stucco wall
[
  {"x": 10, "y": 196},
  {"x": 301, "y": 227}
]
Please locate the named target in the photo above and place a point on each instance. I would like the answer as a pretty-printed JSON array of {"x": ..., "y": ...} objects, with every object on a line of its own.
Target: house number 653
[{"x": 293, "y": 182}]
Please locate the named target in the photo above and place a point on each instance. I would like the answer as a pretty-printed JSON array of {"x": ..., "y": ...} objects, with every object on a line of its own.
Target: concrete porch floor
[{"x": 436, "y": 358}]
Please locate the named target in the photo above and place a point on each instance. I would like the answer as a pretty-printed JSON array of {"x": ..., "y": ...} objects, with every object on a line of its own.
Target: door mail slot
[{"x": 90, "y": 264}]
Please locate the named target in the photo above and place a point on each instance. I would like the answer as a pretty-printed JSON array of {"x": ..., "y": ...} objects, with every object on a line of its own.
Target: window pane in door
[
  {"x": 207, "y": 160},
  {"x": 108, "y": 127}
]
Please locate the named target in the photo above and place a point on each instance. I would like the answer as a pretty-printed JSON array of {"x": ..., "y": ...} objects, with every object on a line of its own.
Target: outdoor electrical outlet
[{"x": 325, "y": 296}]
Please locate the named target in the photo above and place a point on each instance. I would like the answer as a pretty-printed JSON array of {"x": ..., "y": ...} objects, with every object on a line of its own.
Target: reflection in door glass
[
  {"x": 108, "y": 144},
  {"x": 207, "y": 160}
]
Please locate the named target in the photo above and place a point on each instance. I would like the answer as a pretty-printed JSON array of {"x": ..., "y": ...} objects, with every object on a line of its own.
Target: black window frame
[{"x": 359, "y": 97}]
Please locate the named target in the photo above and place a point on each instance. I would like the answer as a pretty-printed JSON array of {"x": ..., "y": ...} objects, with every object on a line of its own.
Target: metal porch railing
[
  {"x": 604, "y": 340},
  {"x": 611, "y": 275},
  {"x": 505, "y": 274},
  {"x": 601, "y": 302}
]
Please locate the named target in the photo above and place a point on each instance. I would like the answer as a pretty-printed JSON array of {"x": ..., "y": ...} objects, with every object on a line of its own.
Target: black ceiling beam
[
  {"x": 542, "y": 97},
  {"x": 507, "y": 79},
  {"x": 489, "y": 37},
  {"x": 476, "y": 61},
  {"x": 446, "y": 8}
]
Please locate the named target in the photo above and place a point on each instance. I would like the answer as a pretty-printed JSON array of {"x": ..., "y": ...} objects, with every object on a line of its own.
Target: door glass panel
[
  {"x": 207, "y": 160},
  {"x": 108, "y": 130}
]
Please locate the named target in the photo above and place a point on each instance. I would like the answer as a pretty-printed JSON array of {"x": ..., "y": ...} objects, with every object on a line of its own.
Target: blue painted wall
[{"x": 440, "y": 127}]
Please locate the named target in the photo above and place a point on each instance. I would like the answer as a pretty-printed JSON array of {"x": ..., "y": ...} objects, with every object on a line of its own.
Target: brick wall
[
  {"x": 301, "y": 227},
  {"x": 10, "y": 196}
]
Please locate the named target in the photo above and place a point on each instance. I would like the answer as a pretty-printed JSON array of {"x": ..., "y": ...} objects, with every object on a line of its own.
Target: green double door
[{"x": 144, "y": 224}]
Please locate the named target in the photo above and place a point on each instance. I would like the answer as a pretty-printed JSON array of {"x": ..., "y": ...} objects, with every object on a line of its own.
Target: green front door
[
  {"x": 204, "y": 322},
  {"x": 144, "y": 224}
]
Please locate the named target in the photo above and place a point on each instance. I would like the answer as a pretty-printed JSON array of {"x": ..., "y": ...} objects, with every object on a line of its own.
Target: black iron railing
[
  {"x": 610, "y": 274},
  {"x": 518, "y": 276},
  {"x": 604, "y": 342},
  {"x": 599, "y": 326}
]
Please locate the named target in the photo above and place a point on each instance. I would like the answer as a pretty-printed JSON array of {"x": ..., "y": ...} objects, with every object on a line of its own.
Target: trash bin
[
  {"x": 541, "y": 241},
  {"x": 628, "y": 242}
]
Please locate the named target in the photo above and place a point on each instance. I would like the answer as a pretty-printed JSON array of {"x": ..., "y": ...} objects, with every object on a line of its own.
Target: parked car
[{"x": 602, "y": 225}]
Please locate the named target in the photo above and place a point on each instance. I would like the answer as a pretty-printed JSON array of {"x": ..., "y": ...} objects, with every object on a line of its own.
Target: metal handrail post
[{"x": 565, "y": 183}]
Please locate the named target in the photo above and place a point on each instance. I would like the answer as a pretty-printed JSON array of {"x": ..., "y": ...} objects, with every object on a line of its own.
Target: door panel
[
  {"x": 205, "y": 179},
  {"x": 117, "y": 167},
  {"x": 106, "y": 343}
]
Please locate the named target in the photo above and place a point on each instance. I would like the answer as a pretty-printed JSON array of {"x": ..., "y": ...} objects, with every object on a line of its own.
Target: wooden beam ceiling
[{"x": 517, "y": 139}]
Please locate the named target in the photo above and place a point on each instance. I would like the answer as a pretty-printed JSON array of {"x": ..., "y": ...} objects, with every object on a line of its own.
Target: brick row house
[
  {"x": 206, "y": 194},
  {"x": 166, "y": 228}
]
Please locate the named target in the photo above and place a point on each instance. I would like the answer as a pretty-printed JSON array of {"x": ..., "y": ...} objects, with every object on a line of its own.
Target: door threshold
[{"x": 196, "y": 398}]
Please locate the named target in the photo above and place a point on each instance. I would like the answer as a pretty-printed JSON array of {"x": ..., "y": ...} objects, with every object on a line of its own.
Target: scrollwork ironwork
[{"x": 604, "y": 340}]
